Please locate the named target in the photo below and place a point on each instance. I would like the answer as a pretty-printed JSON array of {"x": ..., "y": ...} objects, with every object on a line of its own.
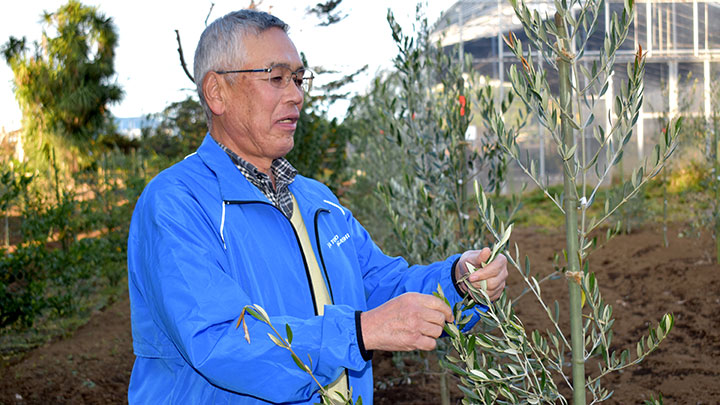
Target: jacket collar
[
  {"x": 235, "y": 187},
  {"x": 308, "y": 198}
]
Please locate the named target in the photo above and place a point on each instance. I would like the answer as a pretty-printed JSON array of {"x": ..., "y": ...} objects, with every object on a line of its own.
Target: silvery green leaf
[
  {"x": 570, "y": 152},
  {"x": 554, "y": 340},
  {"x": 514, "y": 369},
  {"x": 299, "y": 363},
  {"x": 470, "y": 267},
  {"x": 276, "y": 340},
  {"x": 624, "y": 356},
  {"x": 450, "y": 330},
  {"x": 480, "y": 374},
  {"x": 572, "y": 123},
  {"x": 537, "y": 285},
  {"x": 265, "y": 317},
  {"x": 668, "y": 321},
  {"x": 506, "y": 235},
  {"x": 589, "y": 121},
  {"x": 255, "y": 314},
  {"x": 618, "y": 158},
  {"x": 607, "y": 206},
  {"x": 453, "y": 328},
  {"x": 532, "y": 169}
]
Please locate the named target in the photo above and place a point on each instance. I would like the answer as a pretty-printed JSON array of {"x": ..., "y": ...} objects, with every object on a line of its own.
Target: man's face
[{"x": 259, "y": 120}]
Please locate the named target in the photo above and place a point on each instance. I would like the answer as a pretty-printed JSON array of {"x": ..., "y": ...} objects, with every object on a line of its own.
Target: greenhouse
[{"x": 681, "y": 48}]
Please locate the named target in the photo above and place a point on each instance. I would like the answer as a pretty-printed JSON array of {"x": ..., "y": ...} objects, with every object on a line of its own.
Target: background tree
[
  {"x": 409, "y": 145},
  {"x": 179, "y": 130},
  {"x": 327, "y": 11},
  {"x": 64, "y": 85},
  {"x": 320, "y": 148}
]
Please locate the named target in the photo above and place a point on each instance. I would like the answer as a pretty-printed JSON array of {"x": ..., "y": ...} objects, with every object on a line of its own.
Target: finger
[
  {"x": 440, "y": 307},
  {"x": 493, "y": 269},
  {"x": 476, "y": 257},
  {"x": 484, "y": 255},
  {"x": 497, "y": 282},
  {"x": 434, "y": 317},
  {"x": 436, "y": 304},
  {"x": 432, "y": 330},
  {"x": 496, "y": 292},
  {"x": 426, "y": 343}
]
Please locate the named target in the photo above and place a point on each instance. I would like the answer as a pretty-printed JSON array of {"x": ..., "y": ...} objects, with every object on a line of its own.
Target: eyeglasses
[{"x": 280, "y": 76}]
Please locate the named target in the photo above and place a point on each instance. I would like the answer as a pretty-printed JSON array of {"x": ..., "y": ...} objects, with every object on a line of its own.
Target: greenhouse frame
[{"x": 682, "y": 51}]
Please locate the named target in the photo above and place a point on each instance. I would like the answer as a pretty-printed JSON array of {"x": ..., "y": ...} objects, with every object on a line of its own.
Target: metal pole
[
  {"x": 707, "y": 99},
  {"x": 461, "y": 48},
  {"x": 635, "y": 26},
  {"x": 674, "y": 26},
  {"x": 696, "y": 33},
  {"x": 706, "y": 89},
  {"x": 660, "y": 27},
  {"x": 648, "y": 27},
  {"x": 668, "y": 44},
  {"x": 501, "y": 51},
  {"x": 673, "y": 89},
  {"x": 706, "y": 27},
  {"x": 641, "y": 133}
]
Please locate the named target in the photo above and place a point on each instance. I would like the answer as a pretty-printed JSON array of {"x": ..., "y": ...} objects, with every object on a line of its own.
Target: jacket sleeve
[
  {"x": 178, "y": 268},
  {"x": 386, "y": 277}
]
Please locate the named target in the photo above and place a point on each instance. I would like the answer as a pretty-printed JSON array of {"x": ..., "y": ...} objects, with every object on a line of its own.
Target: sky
[{"x": 147, "y": 64}]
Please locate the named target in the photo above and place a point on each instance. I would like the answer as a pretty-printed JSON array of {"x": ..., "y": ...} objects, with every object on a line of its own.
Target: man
[{"x": 233, "y": 225}]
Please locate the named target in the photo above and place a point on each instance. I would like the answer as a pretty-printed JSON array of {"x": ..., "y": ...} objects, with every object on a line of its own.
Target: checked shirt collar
[{"x": 284, "y": 173}]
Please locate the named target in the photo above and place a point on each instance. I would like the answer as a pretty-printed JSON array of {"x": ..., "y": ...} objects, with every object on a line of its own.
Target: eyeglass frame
[{"x": 269, "y": 70}]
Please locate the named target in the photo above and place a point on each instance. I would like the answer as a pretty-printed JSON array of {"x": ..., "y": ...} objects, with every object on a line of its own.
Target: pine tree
[{"x": 64, "y": 85}]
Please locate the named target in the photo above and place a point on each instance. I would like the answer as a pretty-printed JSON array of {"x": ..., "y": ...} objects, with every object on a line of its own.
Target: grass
[
  {"x": 686, "y": 201},
  {"x": 14, "y": 341}
]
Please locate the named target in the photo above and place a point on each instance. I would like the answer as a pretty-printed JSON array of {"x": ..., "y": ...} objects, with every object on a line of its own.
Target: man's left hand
[{"x": 494, "y": 273}]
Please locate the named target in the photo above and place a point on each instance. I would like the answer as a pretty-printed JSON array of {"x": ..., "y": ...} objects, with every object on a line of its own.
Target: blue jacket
[{"x": 204, "y": 243}]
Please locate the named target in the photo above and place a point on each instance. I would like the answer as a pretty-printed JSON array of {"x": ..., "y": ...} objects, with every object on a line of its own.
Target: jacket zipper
[
  {"x": 319, "y": 248},
  {"x": 302, "y": 253}
]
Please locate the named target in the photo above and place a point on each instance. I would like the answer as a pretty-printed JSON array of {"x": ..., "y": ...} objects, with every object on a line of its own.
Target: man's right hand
[{"x": 408, "y": 322}]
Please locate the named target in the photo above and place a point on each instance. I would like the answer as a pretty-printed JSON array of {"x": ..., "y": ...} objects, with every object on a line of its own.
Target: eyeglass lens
[{"x": 280, "y": 77}]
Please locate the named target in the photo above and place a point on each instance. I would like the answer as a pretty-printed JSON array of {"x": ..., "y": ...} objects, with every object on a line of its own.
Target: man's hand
[
  {"x": 408, "y": 322},
  {"x": 494, "y": 273}
]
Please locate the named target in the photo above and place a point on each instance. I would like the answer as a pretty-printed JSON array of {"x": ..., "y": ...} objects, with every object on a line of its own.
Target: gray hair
[{"x": 221, "y": 44}]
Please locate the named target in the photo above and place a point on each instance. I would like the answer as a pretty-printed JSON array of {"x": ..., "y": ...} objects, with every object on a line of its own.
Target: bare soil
[{"x": 638, "y": 276}]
